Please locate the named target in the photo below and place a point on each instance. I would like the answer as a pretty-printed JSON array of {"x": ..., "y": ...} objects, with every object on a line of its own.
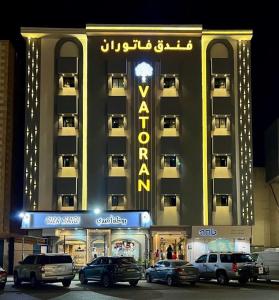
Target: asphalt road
[{"x": 144, "y": 291}]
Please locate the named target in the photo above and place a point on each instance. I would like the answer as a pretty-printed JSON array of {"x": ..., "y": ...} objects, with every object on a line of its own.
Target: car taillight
[
  {"x": 234, "y": 267},
  {"x": 179, "y": 270},
  {"x": 42, "y": 269}
]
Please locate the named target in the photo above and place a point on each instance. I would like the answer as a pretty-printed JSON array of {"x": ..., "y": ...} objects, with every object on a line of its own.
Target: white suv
[
  {"x": 225, "y": 266},
  {"x": 45, "y": 268}
]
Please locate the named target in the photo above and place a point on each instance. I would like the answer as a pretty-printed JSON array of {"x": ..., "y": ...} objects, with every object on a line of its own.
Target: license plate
[
  {"x": 261, "y": 271},
  {"x": 130, "y": 270}
]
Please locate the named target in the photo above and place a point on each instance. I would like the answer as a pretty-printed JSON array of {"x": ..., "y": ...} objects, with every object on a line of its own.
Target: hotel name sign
[
  {"x": 143, "y": 139},
  {"x": 138, "y": 45}
]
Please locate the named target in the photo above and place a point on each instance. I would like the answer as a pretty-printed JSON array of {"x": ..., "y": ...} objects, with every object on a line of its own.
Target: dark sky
[{"x": 262, "y": 17}]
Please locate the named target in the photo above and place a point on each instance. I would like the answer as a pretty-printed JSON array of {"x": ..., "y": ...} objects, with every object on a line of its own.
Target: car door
[
  {"x": 165, "y": 270},
  {"x": 200, "y": 263},
  {"x": 211, "y": 265},
  {"x": 156, "y": 272},
  {"x": 101, "y": 268},
  {"x": 26, "y": 267},
  {"x": 90, "y": 272}
]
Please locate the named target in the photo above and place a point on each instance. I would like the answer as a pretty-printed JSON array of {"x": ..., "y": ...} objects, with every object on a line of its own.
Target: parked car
[
  {"x": 172, "y": 272},
  {"x": 227, "y": 266},
  {"x": 109, "y": 270},
  {"x": 268, "y": 262},
  {"x": 3, "y": 278},
  {"x": 45, "y": 268}
]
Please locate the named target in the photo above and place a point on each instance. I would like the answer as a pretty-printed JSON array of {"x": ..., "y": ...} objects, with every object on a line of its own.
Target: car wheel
[
  {"x": 106, "y": 281},
  {"x": 17, "y": 281},
  {"x": 82, "y": 279},
  {"x": 133, "y": 282},
  {"x": 170, "y": 281},
  {"x": 2, "y": 285},
  {"x": 33, "y": 281},
  {"x": 66, "y": 282},
  {"x": 148, "y": 278},
  {"x": 222, "y": 278}
]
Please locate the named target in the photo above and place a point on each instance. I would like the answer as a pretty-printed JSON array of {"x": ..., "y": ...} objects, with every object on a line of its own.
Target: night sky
[{"x": 261, "y": 17}]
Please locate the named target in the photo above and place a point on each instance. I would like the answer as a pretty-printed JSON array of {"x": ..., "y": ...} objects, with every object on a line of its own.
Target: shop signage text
[
  {"x": 115, "y": 220},
  {"x": 138, "y": 45},
  {"x": 208, "y": 232},
  {"x": 143, "y": 139},
  {"x": 88, "y": 219}
]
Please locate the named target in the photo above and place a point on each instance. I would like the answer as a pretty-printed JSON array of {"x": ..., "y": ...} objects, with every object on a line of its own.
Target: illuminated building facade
[
  {"x": 7, "y": 57},
  {"x": 139, "y": 118}
]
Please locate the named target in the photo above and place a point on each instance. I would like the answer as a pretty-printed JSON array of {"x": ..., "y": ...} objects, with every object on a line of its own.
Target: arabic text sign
[
  {"x": 138, "y": 45},
  {"x": 40, "y": 220}
]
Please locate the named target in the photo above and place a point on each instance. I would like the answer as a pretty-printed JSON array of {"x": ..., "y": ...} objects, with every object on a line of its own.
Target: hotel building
[{"x": 138, "y": 137}]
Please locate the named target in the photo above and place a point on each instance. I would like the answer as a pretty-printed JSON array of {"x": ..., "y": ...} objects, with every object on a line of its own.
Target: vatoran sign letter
[{"x": 143, "y": 139}]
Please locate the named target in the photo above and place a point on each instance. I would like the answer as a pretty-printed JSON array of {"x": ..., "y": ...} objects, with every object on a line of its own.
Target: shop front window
[{"x": 126, "y": 247}]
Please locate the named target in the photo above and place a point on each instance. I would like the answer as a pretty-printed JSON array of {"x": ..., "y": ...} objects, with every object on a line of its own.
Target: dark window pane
[
  {"x": 117, "y": 122},
  {"x": 222, "y": 200},
  {"x": 169, "y": 122},
  {"x": 117, "y": 82},
  {"x": 68, "y": 161},
  {"x": 170, "y": 161},
  {"x": 29, "y": 260},
  {"x": 67, "y": 200},
  {"x": 169, "y": 82},
  {"x": 242, "y": 258},
  {"x": 201, "y": 259},
  {"x": 117, "y": 161},
  {"x": 117, "y": 200},
  {"x": 212, "y": 258},
  {"x": 221, "y": 161},
  {"x": 68, "y": 82},
  {"x": 220, "y": 83},
  {"x": 226, "y": 258},
  {"x": 170, "y": 200},
  {"x": 68, "y": 122},
  {"x": 63, "y": 259}
]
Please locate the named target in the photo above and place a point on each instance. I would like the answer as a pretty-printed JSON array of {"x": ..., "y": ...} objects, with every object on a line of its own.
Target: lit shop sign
[
  {"x": 143, "y": 70},
  {"x": 88, "y": 219},
  {"x": 207, "y": 232},
  {"x": 138, "y": 45}
]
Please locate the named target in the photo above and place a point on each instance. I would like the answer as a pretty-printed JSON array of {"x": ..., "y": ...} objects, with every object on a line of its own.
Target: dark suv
[
  {"x": 109, "y": 270},
  {"x": 226, "y": 266}
]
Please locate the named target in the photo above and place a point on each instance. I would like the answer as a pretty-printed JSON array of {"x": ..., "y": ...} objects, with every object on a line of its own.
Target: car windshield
[
  {"x": 179, "y": 263},
  {"x": 124, "y": 260}
]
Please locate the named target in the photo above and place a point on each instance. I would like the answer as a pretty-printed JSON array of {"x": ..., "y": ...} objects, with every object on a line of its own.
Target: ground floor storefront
[{"x": 85, "y": 235}]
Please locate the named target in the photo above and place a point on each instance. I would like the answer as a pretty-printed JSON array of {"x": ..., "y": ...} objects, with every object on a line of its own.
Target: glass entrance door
[{"x": 98, "y": 242}]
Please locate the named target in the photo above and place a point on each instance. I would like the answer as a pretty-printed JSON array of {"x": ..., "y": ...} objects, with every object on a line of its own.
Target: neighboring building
[
  {"x": 266, "y": 192},
  {"x": 7, "y": 57},
  {"x": 136, "y": 119}
]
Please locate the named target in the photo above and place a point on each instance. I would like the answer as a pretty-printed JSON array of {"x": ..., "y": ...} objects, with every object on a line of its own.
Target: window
[
  {"x": 212, "y": 258},
  {"x": 104, "y": 261},
  {"x": 220, "y": 83},
  {"x": 55, "y": 259},
  {"x": 221, "y": 122},
  {"x": 222, "y": 200},
  {"x": 117, "y": 122},
  {"x": 68, "y": 122},
  {"x": 221, "y": 161},
  {"x": 226, "y": 258},
  {"x": 117, "y": 200},
  {"x": 242, "y": 258},
  {"x": 68, "y": 161},
  {"x": 68, "y": 82},
  {"x": 169, "y": 122},
  {"x": 169, "y": 200},
  {"x": 118, "y": 161},
  {"x": 68, "y": 200},
  {"x": 201, "y": 259},
  {"x": 169, "y": 82},
  {"x": 170, "y": 161},
  {"x": 29, "y": 260},
  {"x": 117, "y": 82}
]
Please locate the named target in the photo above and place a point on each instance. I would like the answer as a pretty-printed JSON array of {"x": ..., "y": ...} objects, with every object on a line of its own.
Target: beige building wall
[
  {"x": 6, "y": 107},
  {"x": 265, "y": 232}
]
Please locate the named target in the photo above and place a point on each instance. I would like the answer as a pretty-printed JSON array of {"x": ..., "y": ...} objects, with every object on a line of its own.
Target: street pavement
[{"x": 144, "y": 291}]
